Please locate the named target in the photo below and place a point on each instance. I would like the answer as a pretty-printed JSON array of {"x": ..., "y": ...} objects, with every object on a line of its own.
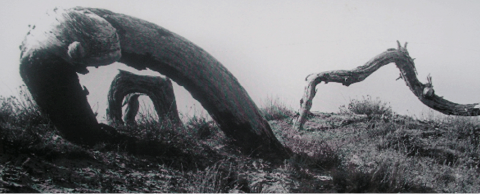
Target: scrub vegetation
[{"x": 365, "y": 147}]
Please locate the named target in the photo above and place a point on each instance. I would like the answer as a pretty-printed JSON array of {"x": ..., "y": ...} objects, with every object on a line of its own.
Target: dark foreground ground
[
  {"x": 334, "y": 153},
  {"x": 364, "y": 148}
]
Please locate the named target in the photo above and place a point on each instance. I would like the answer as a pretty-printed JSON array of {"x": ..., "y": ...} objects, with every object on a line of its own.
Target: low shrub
[{"x": 368, "y": 106}]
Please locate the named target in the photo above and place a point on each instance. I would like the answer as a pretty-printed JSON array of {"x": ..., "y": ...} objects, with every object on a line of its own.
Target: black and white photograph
[{"x": 240, "y": 96}]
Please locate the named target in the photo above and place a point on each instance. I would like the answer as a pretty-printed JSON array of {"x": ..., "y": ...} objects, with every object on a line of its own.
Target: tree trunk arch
[
  {"x": 129, "y": 86},
  {"x": 75, "y": 38},
  {"x": 400, "y": 56}
]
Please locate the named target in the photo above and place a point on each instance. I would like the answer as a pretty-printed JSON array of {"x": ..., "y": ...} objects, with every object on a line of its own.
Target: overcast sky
[{"x": 271, "y": 46}]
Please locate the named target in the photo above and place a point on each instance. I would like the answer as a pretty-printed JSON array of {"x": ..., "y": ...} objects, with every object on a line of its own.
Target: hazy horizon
[{"x": 271, "y": 46}]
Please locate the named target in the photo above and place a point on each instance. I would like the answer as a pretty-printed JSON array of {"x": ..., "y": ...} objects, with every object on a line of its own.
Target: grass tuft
[
  {"x": 221, "y": 177},
  {"x": 387, "y": 177},
  {"x": 274, "y": 109},
  {"x": 21, "y": 110}
]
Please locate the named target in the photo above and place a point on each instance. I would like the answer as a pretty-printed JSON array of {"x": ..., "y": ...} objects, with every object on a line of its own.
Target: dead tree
[
  {"x": 75, "y": 38},
  {"x": 158, "y": 89},
  {"x": 408, "y": 73}
]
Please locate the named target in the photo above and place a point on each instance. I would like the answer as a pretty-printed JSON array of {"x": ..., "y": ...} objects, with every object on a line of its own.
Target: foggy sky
[{"x": 271, "y": 46}]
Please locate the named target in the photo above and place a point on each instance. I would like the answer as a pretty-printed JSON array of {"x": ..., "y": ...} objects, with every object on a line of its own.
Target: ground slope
[{"x": 334, "y": 153}]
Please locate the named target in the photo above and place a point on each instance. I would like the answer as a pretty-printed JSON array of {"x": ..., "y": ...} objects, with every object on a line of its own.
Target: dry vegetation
[{"x": 336, "y": 152}]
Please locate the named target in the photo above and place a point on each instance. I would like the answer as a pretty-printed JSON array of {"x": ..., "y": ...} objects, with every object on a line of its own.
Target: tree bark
[
  {"x": 158, "y": 89},
  {"x": 131, "y": 101},
  {"x": 143, "y": 45},
  {"x": 408, "y": 73}
]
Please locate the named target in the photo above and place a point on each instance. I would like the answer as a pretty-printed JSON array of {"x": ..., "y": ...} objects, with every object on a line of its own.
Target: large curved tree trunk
[
  {"x": 143, "y": 45},
  {"x": 55, "y": 87},
  {"x": 160, "y": 91},
  {"x": 404, "y": 62}
]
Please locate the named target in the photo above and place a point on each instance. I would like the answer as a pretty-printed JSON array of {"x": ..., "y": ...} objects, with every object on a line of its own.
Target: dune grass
[{"x": 275, "y": 109}]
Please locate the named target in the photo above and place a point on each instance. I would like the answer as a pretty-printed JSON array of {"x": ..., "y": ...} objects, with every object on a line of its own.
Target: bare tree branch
[{"x": 408, "y": 73}]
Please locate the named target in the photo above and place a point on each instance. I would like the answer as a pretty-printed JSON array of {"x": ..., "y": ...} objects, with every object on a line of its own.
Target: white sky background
[{"x": 271, "y": 46}]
